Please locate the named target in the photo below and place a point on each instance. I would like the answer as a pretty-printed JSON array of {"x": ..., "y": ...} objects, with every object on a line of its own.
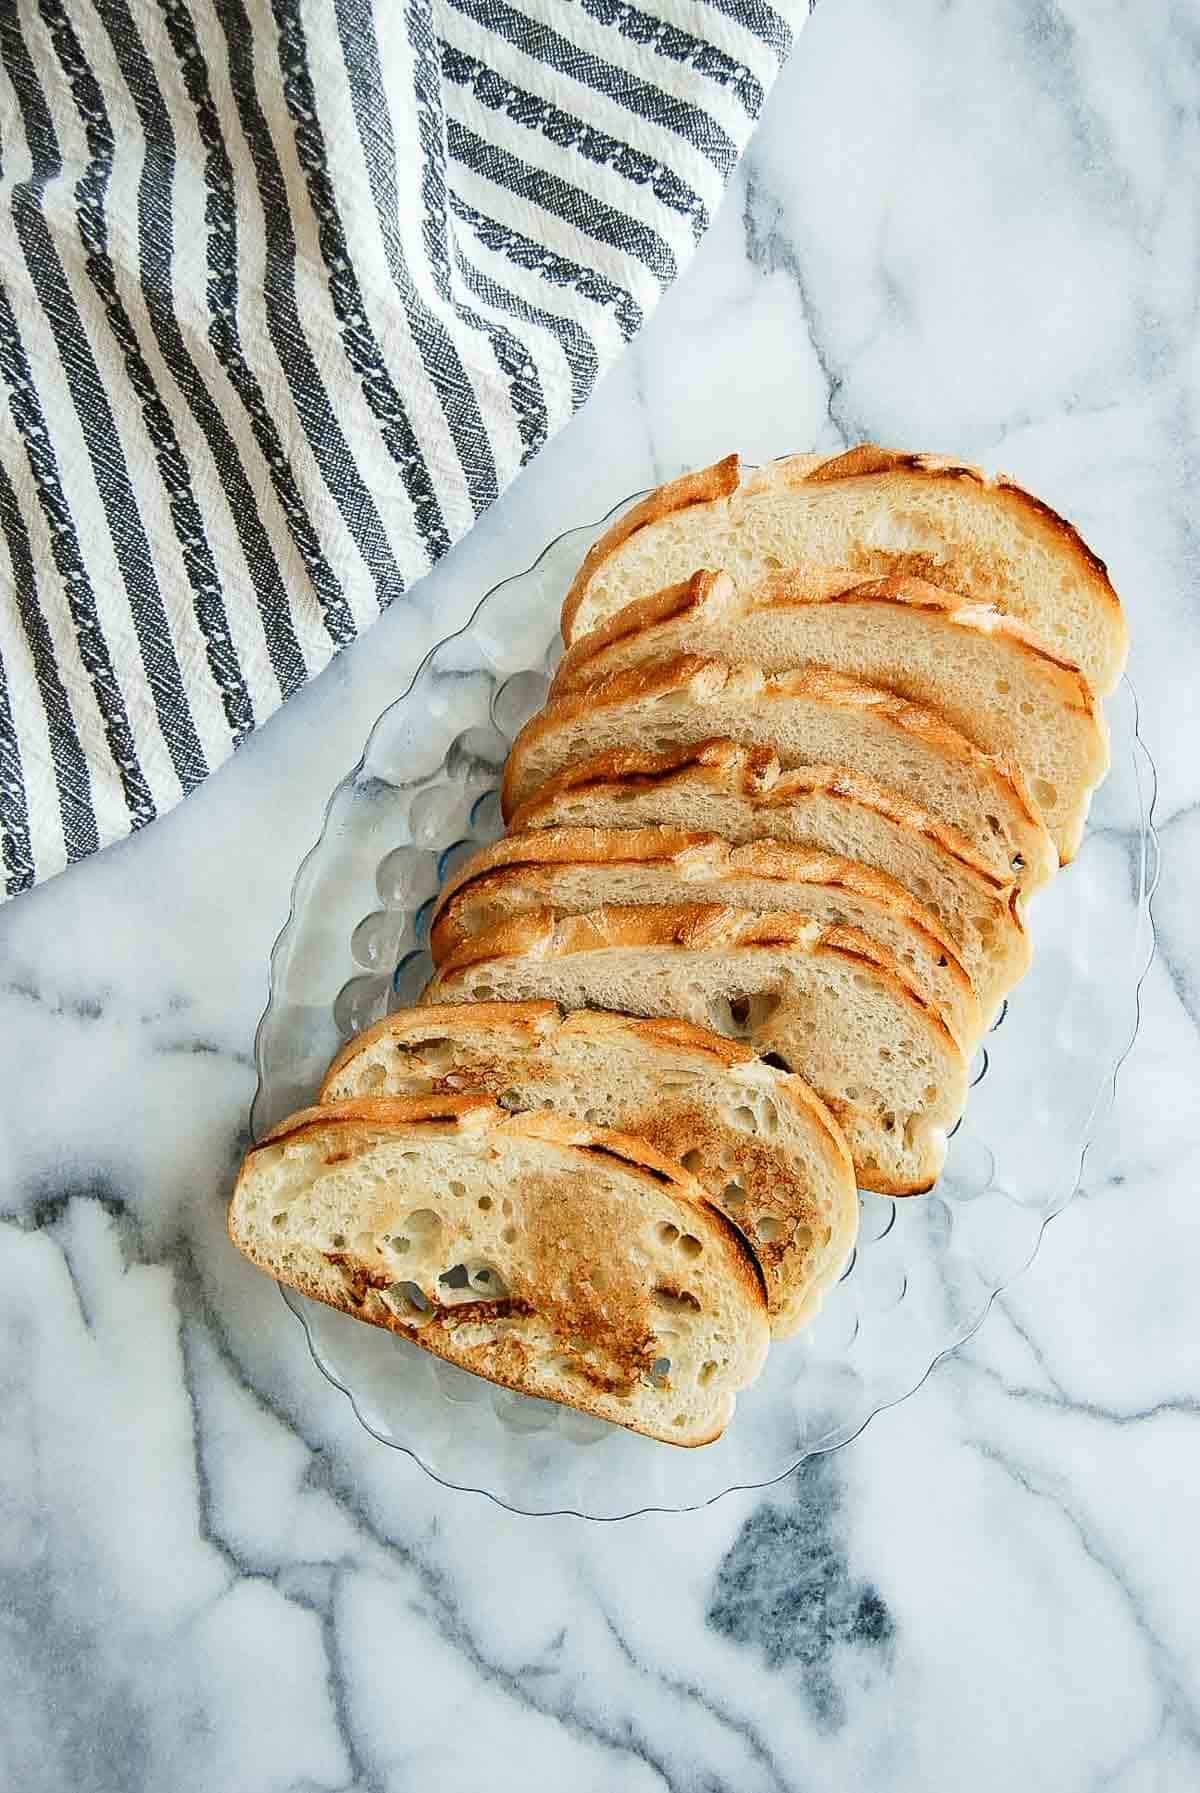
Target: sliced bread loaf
[
  {"x": 984, "y": 673},
  {"x": 870, "y": 513},
  {"x": 766, "y": 1149},
  {"x": 572, "y": 870},
  {"x": 742, "y": 794},
  {"x": 807, "y": 718},
  {"x": 552, "y": 1257},
  {"x": 827, "y": 1002}
]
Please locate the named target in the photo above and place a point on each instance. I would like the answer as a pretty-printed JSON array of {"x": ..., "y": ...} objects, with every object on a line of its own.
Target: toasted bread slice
[
  {"x": 872, "y": 513},
  {"x": 826, "y": 1002},
  {"x": 552, "y": 1257},
  {"x": 765, "y": 1147},
  {"x": 808, "y": 718},
  {"x": 742, "y": 794},
  {"x": 572, "y": 870},
  {"x": 984, "y": 673}
]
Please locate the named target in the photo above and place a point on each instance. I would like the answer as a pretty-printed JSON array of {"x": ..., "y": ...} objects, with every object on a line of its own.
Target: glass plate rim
[{"x": 1106, "y": 1094}]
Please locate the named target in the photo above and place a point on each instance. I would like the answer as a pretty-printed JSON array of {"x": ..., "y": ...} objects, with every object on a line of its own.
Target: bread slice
[
  {"x": 552, "y": 1257},
  {"x": 572, "y": 870},
  {"x": 984, "y": 673},
  {"x": 871, "y": 513},
  {"x": 742, "y": 794},
  {"x": 808, "y": 718},
  {"x": 766, "y": 1149},
  {"x": 826, "y": 1002}
]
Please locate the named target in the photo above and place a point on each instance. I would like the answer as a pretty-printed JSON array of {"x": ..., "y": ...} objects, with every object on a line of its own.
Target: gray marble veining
[{"x": 969, "y": 226}]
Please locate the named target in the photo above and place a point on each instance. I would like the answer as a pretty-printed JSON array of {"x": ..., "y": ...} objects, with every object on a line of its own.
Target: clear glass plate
[{"x": 424, "y": 795}]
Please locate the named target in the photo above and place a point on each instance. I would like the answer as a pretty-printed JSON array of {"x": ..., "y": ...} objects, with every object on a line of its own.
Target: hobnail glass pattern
[{"x": 425, "y": 795}]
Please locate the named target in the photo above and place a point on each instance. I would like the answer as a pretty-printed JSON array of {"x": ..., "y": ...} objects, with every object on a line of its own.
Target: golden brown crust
[
  {"x": 867, "y": 461},
  {"x": 640, "y": 681},
  {"x": 346, "y": 1125},
  {"x": 541, "y": 1022},
  {"x": 686, "y": 598},
  {"x": 753, "y": 773},
  {"x": 448, "y": 1112},
  {"x": 536, "y": 938},
  {"x": 699, "y": 487},
  {"x": 676, "y": 1035},
  {"x": 690, "y": 927},
  {"x": 706, "y": 677},
  {"x": 920, "y": 594},
  {"x": 589, "y": 659},
  {"x": 452, "y": 1113},
  {"x": 521, "y": 1067},
  {"x": 516, "y": 857},
  {"x": 582, "y": 845},
  {"x": 528, "y": 1023}
]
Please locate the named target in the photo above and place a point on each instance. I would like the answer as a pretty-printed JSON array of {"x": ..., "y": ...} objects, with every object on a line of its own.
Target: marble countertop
[{"x": 969, "y": 225}]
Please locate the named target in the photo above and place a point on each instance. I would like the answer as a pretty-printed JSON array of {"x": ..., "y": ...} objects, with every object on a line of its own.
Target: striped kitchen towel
[{"x": 289, "y": 291}]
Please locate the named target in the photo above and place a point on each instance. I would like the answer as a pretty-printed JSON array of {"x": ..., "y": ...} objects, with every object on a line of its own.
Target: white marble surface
[{"x": 966, "y": 224}]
